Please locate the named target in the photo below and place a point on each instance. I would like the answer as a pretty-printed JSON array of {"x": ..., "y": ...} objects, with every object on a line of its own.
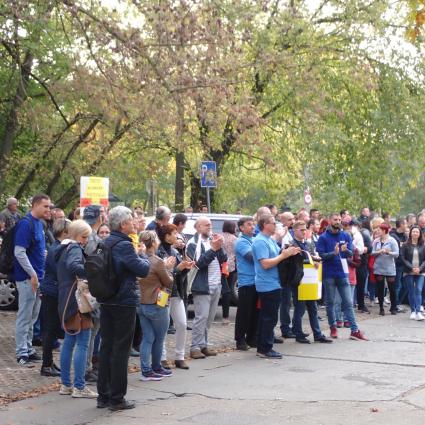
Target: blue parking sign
[{"x": 208, "y": 174}]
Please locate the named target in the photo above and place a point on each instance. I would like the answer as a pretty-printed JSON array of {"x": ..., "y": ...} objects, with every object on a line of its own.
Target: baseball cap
[{"x": 91, "y": 213}]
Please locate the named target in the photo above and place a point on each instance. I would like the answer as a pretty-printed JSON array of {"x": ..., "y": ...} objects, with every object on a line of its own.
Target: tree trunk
[
  {"x": 11, "y": 125},
  {"x": 179, "y": 191}
]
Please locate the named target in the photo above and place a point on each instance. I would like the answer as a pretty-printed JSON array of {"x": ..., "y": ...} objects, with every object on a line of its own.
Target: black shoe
[
  {"x": 102, "y": 404},
  {"x": 90, "y": 377},
  {"x": 381, "y": 312},
  {"x": 124, "y": 405},
  {"x": 34, "y": 357},
  {"x": 288, "y": 335},
  {"x": 171, "y": 331},
  {"x": 302, "y": 340},
  {"x": 188, "y": 328},
  {"x": 252, "y": 344},
  {"x": 134, "y": 353},
  {"x": 49, "y": 371},
  {"x": 393, "y": 312},
  {"x": 323, "y": 339},
  {"x": 278, "y": 340},
  {"x": 55, "y": 367},
  {"x": 242, "y": 346},
  {"x": 321, "y": 319},
  {"x": 364, "y": 310},
  {"x": 270, "y": 355},
  {"x": 23, "y": 361},
  {"x": 37, "y": 342},
  {"x": 304, "y": 334}
]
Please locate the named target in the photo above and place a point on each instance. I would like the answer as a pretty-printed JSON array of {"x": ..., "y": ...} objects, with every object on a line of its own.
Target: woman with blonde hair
[
  {"x": 77, "y": 325},
  {"x": 154, "y": 315}
]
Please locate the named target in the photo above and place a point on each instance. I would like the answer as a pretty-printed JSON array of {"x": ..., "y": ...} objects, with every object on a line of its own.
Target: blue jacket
[
  {"x": 70, "y": 265},
  {"x": 128, "y": 266},
  {"x": 200, "y": 283},
  {"x": 332, "y": 267},
  {"x": 49, "y": 284}
]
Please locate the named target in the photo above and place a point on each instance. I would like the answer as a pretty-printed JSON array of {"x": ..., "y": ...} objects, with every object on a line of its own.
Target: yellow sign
[
  {"x": 310, "y": 288},
  {"x": 94, "y": 191}
]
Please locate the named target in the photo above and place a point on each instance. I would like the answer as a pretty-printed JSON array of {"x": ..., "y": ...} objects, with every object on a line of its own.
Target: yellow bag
[
  {"x": 310, "y": 288},
  {"x": 162, "y": 298}
]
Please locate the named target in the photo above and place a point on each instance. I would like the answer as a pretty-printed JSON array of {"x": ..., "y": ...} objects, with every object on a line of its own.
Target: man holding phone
[{"x": 334, "y": 247}]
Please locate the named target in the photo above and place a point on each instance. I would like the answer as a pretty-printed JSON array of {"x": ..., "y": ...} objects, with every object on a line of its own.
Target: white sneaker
[
  {"x": 65, "y": 390},
  {"x": 421, "y": 309},
  {"x": 386, "y": 301},
  {"x": 419, "y": 316},
  {"x": 86, "y": 392},
  {"x": 376, "y": 301},
  {"x": 413, "y": 315}
]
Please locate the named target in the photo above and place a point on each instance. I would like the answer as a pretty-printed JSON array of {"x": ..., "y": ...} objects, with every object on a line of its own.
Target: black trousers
[
  {"x": 361, "y": 277},
  {"x": 51, "y": 327},
  {"x": 267, "y": 320},
  {"x": 247, "y": 316},
  {"x": 380, "y": 288},
  {"x": 116, "y": 333},
  {"x": 137, "y": 338}
]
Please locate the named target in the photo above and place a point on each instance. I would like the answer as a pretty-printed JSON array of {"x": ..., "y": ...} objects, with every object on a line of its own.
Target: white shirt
[{"x": 214, "y": 270}]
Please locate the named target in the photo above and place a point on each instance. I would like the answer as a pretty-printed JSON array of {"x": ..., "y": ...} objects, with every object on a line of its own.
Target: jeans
[
  {"x": 116, "y": 333},
  {"x": 338, "y": 300},
  {"x": 285, "y": 307},
  {"x": 343, "y": 287},
  {"x": 299, "y": 310},
  {"x": 415, "y": 284},
  {"x": 267, "y": 320},
  {"x": 246, "y": 322},
  {"x": 28, "y": 310},
  {"x": 400, "y": 289},
  {"x": 205, "y": 307},
  {"x": 81, "y": 341},
  {"x": 51, "y": 327},
  {"x": 154, "y": 321},
  {"x": 93, "y": 332},
  {"x": 178, "y": 314}
]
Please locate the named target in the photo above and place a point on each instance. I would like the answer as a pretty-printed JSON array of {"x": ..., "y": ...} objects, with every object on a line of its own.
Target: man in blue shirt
[
  {"x": 29, "y": 263},
  {"x": 267, "y": 256},
  {"x": 334, "y": 247},
  {"x": 246, "y": 314}
]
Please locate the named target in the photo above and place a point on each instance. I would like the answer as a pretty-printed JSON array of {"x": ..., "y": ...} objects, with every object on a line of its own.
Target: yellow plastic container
[{"x": 310, "y": 288}]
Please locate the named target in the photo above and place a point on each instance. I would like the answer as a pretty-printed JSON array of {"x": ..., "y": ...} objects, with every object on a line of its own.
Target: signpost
[
  {"x": 208, "y": 178},
  {"x": 307, "y": 197},
  {"x": 94, "y": 191}
]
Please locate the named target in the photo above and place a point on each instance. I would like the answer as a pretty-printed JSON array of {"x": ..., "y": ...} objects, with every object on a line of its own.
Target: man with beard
[{"x": 334, "y": 247}]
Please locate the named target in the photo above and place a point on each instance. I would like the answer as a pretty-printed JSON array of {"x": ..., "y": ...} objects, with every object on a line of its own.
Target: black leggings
[{"x": 380, "y": 287}]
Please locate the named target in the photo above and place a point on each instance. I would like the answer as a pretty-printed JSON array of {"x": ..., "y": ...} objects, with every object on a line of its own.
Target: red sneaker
[
  {"x": 334, "y": 332},
  {"x": 358, "y": 336},
  {"x": 347, "y": 324},
  {"x": 339, "y": 324}
]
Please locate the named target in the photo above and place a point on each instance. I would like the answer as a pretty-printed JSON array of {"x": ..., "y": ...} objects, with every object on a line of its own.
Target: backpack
[
  {"x": 8, "y": 247},
  {"x": 101, "y": 277}
]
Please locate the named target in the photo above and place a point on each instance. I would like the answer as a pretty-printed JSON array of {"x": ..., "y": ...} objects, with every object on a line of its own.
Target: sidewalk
[{"x": 17, "y": 382}]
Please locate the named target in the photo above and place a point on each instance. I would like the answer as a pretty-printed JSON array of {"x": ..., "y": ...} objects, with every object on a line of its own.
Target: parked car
[{"x": 8, "y": 294}]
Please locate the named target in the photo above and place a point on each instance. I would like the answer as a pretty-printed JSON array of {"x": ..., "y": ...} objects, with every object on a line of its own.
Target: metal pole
[{"x": 208, "y": 199}]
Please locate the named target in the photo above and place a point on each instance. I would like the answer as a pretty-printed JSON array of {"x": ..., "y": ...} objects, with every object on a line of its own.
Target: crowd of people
[{"x": 157, "y": 266}]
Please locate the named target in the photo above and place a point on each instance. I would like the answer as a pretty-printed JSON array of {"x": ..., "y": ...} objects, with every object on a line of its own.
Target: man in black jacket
[
  {"x": 362, "y": 270},
  {"x": 399, "y": 234},
  {"x": 291, "y": 272}
]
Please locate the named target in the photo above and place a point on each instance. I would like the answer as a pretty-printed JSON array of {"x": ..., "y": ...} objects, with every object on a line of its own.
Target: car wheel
[{"x": 8, "y": 295}]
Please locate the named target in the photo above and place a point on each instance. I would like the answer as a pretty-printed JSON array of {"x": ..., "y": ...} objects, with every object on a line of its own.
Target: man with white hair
[
  {"x": 162, "y": 217},
  {"x": 10, "y": 215},
  {"x": 206, "y": 249},
  {"x": 118, "y": 314}
]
